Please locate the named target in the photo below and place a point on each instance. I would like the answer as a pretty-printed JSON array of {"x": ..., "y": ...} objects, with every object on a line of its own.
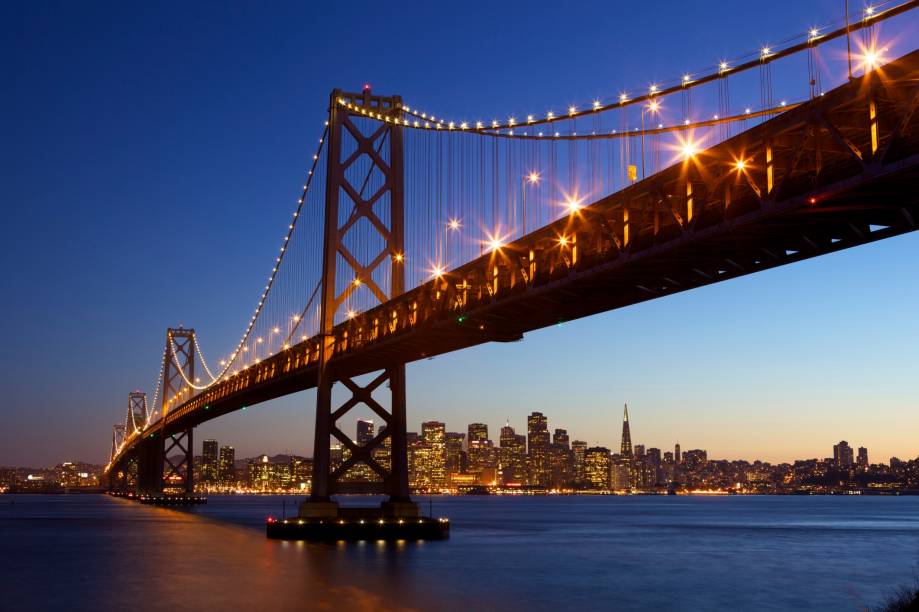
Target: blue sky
[{"x": 151, "y": 154}]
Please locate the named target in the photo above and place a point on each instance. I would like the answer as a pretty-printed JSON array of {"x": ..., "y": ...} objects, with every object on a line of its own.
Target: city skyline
[
  {"x": 365, "y": 427},
  {"x": 760, "y": 362},
  {"x": 544, "y": 459}
]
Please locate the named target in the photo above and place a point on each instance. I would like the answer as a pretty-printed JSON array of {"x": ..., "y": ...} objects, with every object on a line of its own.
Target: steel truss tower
[{"x": 346, "y": 206}]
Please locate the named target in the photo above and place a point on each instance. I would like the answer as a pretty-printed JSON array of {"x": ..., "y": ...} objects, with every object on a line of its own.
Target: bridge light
[
  {"x": 596, "y": 104},
  {"x": 357, "y": 282},
  {"x": 495, "y": 243},
  {"x": 765, "y": 51},
  {"x": 454, "y": 224},
  {"x": 574, "y": 204},
  {"x": 296, "y": 318},
  {"x": 533, "y": 178},
  {"x": 871, "y": 59},
  {"x": 723, "y": 66},
  {"x": 685, "y": 78},
  {"x": 814, "y": 33},
  {"x": 562, "y": 241},
  {"x": 437, "y": 271},
  {"x": 275, "y": 330},
  {"x": 654, "y": 106},
  {"x": 623, "y": 97},
  {"x": 689, "y": 150},
  {"x": 572, "y": 110},
  {"x": 869, "y": 10},
  {"x": 259, "y": 340},
  {"x": 398, "y": 257},
  {"x": 652, "y": 89},
  {"x": 740, "y": 165},
  {"x": 550, "y": 115}
]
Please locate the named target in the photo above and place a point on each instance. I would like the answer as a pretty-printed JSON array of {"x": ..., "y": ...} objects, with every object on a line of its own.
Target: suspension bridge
[{"x": 418, "y": 234}]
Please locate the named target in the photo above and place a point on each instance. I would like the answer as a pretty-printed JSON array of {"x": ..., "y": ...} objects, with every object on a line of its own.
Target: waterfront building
[
  {"x": 512, "y": 456},
  {"x": 620, "y": 473},
  {"x": 578, "y": 448},
  {"x": 695, "y": 459},
  {"x": 337, "y": 455},
  {"x": 538, "y": 449},
  {"x": 68, "y": 475},
  {"x": 597, "y": 468},
  {"x": 382, "y": 454},
  {"x": 455, "y": 461},
  {"x": 561, "y": 466},
  {"x": 433, "y": 437},
  {"x": 482, "y": 456},
  {"x": 258, "y": 473},
  {"x": 301, "y": 473},
  {"x": 479, "y": 449},
  {"x": 209, "y": 461},
  {"x": 226, "y": 469}
]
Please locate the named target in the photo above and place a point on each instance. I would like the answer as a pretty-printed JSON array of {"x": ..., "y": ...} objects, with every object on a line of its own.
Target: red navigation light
[
  {"x": 271, "y": 519},
  {"x": 813, "y": 200},
  {"x": 366, "y": 86}
]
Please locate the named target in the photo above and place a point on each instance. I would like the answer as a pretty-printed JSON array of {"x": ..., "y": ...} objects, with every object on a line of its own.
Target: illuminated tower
[
  {"x": 364, "y": 432},
  {"x": 626, "y": 450}
]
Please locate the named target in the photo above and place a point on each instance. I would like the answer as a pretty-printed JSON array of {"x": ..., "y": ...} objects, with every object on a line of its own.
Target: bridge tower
[
  {"x": 165, "y": 460},
  {"x": 137, "y": 412},
  {"x": 346, "y": 206}
]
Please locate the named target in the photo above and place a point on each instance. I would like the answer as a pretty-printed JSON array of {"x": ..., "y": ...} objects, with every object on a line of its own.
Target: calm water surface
[{"x": 536, "y": 553}]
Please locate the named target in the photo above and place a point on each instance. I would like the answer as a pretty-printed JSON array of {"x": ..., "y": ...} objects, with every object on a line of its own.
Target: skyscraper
[
  {"x": 842, "y": 454},
  {"x": 677, "y": 457},
  {"x": 538, "y": 448},
  {"x": 578, "y": 448},
  {"x": 597, "y": 468},
  {"x": 626, "y": 448},
  {"x": 364, "y": 432},
  {"x": 209, "y": 455},
  {"x": 478, "y": 432},
  {"x": 862, "y": 457},
  {"x": 512, "y": 455},
  {"x": 561, "y": 438},
  {"x": 455, "y": 461},
  {"x": 433, "y": 436},
  {"x": 479, "y": 449},
  {"x": 226, "y": 471}
]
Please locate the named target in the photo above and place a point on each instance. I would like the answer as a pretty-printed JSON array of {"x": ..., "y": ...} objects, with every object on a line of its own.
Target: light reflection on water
[{"x": 621, "y": 553}]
